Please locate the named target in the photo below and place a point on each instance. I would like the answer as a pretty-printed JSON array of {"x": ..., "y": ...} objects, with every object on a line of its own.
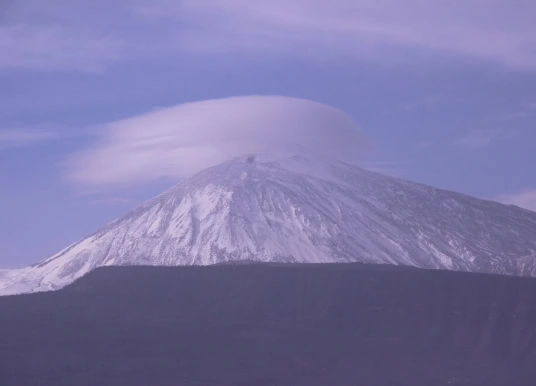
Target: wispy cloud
[
  {"x": 530, "y": 106},
  {"x": 525, "y": 199},
  {"x": 59, "y": 35},
  {"x": 477, "y": 139},
  {"x": 93, "y": 35},
  {"x": 525, "y": 110},
  {"x": 425, "y": 103},
  {"x": 424, "y": 144},
  {"x": 25, "y": 137}
]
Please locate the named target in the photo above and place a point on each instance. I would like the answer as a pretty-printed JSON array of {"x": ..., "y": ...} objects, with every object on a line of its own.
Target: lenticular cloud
[{"x": 178, "y": 141}]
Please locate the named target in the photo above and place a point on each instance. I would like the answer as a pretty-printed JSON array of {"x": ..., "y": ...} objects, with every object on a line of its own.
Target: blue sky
[{"x": 445, "y": 91}]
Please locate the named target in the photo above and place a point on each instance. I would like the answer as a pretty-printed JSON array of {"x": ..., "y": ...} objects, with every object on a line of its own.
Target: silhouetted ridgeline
[{"x": 274, "y": 324}]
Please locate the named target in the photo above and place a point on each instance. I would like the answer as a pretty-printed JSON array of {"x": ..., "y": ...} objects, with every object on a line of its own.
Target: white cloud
[
  {"x": 93, "y": 35},
  {"x": 178, "y": 141},
  {"x": 525, "y": 199}
]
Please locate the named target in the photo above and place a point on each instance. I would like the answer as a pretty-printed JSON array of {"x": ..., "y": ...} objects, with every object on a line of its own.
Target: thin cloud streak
[
  {"x": 389, "y": 168},
  {"x": 114, "y": 201},
  {"x": 24, "y": 137},
  {"x": 424, "y": 144},
  {"x": 39, "y": 135},
  {"x": 477, "y": 139}
]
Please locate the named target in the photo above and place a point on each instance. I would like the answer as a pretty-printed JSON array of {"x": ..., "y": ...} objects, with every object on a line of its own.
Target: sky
[{"x": 442, "y": 92}]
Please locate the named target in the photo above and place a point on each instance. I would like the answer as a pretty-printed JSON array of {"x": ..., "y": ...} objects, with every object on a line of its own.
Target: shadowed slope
[{"x": 273, "y": 324}]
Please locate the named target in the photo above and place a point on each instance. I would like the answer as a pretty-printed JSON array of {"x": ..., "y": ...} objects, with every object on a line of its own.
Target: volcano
[{"x": 290, "y": 208}]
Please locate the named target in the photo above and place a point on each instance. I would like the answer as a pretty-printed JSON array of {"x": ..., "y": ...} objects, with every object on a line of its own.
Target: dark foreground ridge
[{"x": 273, "y": 325}]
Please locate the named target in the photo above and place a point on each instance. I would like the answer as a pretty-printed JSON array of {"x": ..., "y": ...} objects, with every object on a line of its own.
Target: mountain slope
[
  {"x": 298, "y": 209},
  {"x": 273, "y": 324}
]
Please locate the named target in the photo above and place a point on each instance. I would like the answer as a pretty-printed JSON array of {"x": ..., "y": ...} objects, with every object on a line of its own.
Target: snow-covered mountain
[{"x": 299, "y": 209}]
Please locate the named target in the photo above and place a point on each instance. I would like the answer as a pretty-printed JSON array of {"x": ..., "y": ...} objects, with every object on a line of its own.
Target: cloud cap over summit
[{"x": 178, "y": 141}]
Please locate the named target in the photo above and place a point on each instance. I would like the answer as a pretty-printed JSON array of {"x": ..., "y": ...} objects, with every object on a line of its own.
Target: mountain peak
[{"x": 288, "y": 207}]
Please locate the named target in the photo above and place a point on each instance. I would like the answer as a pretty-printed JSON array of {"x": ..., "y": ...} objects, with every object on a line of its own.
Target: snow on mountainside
[{"x": 299, "y": 209}]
